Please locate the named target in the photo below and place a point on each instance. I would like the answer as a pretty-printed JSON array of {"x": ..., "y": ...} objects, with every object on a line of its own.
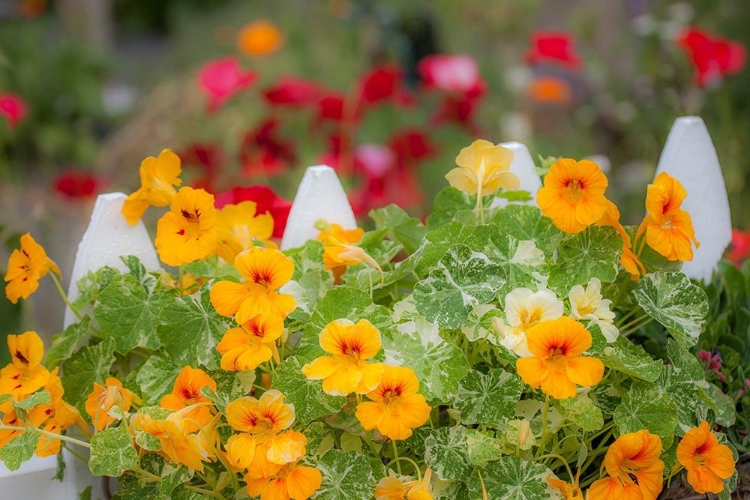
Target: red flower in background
[
  {"x": 712, "y": 55},
  {"x": 293, "y": 92},
  {"x": 459, "y": 74},
  {"x": 208, "y": 158},
  {"x": 739, "y": 249},
  {"x": 76, "y": 184},
  {"x": 383, "y": 83},
  {"x": 331, "y": 107},
  {"x": 13, "y": 108},
  {"x": 411, "y": 146},
  {"x": 221, "y": 79},
  {"x": 263, "y": 152},
  {"x": 553, "y": 46},
  {"x": 265, "y": 198},
  {"x": 459, "y": 110}
]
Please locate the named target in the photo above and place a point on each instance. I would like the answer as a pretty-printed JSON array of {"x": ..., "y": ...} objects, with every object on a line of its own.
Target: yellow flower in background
[
  {"x": 159, "y": 177},
  {"x": 573, "y": 194},
  {"x": 239, "y": 226},
  {"x": 25, "y": 374},
  {"x": 103, "y": 398},
  {"x": 395, "y": 408},
  {"x": 290, "y": 482},
  {"x": 245, "y": 348},
  {"x": 188, "y": 231},
  {"x": 629, "y": 260},
  {"x": 569, "y": 491},
  {"x": 589, "y": 304},
  {"x": 26, "y": 266},
  {"x": 634, "y": 469},
  {"x": 265, "y": 271},
  {"x": 260, "y": 38},
  {"x": 557, "y": 365},
  {"x": 669, "y": 228},
  {"x": 347, "y": 370},
  {"x": 708, "y": 462},
  {"x": 393, "y": 488},
  {"x": 524, "y": 309},
  {"x": 483, "y": 169},
  {"x": 176, "y": 441},
  {"x": 186, "y": 392}
]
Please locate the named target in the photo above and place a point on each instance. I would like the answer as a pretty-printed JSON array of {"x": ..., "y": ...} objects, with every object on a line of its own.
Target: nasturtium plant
[{"x": 529, "y": 349}]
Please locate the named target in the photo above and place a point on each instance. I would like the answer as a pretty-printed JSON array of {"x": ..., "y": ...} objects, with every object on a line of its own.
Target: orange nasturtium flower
[
  {"x": 177, "y": 442},
  {"x": 557, "y": 365},
  {"x": 240, "y": 450},
  {"x": 239, "y": 226},
  {"x": 550, "y": 90},
  {"x": 102, "y": 399},
  {"x": 483, "y": 168},
  {"x": 26, "y": 266},
  {"x": 573, "y": 194},
  {"x": 629, "y": 260},
  {"x": 187, "y": 392},
  {"x": 347, "y": 370},
  {"x": 395, "y": 407},
  {"x": 707, "y": 461},
  {"x": 54, "y": 417},
  {"x": 253, "y": 343},
  {"x": 669, "y": 228},
  {"x": 340, "y": 250},
  {"x": 569, "y": 491},
  {"x": 392, "y": 488},
  {"x": 260, "y": 38},
  {"x": 188, "y": 231},
  {"x": 24, "y": 374},
  {"x": 159, "y": 176},
  {"x": 289, "y": 482},
  {"x": 634, "y": 469},
  {"x": 11, "y": 419},
  {"x": 266, "y": 270}
]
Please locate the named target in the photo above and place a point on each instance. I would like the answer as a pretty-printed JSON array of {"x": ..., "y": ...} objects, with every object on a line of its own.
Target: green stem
[
  {"x": 412, "y": 462},
  {"x": 75, "y": 453},
  {"x": 146, "y": 475},
  {"x": 543, "y": 440},
  {"x": 395, "y": 457},
  {"x": 84, "y": 444},
  {"x": 64, "y": 295},
  {"x": 369, "y": 442},
  {"x": 208, "y": 493},
  {"x": 560, "y": 458}
]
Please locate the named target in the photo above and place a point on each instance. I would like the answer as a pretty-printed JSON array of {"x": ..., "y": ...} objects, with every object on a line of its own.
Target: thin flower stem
[
  {"x": 75, "y": 453},
  {"x": 65, "y": 296},
  {"x": 412, "y": 462},
  {"x": 146, "y": 475},
  {"x": 369, "y": 442},
  {"x": 634, "y": 322},
  {"x": 4, "y": 427},
  {"x": 395, "y": 457},
  {"x": 208, "y": 493},
  {"x": 560, "y": 458},
  {"x": 543, "y": 440}
]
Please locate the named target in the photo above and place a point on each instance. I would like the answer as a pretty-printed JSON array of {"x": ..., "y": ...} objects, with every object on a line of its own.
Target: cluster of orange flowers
[
  {"x": 573, "y": 197},
  {"x": 193, "y": 229},
  {"x": 25, "y": 375},
  {"x": 634, "y": 470}
]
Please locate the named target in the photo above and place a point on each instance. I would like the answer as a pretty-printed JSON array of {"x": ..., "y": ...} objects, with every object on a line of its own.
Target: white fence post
[
  {"x": 689, "y": 156},
  {"x": 320, "y": 195},
  {"x": 523, "y": 166}
]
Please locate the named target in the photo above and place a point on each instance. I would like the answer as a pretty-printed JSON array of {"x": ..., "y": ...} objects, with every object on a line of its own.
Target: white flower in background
[
  {"x": 589, "y": 304},
  {"x": 524, "y": 309}
]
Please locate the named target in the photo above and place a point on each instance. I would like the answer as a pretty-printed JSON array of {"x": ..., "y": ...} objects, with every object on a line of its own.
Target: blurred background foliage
[{"x": 108, "y": 82}]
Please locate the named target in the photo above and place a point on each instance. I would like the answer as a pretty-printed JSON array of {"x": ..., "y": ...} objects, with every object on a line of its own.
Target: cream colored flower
[
  {"x": 589, "y": 304},
  {"x": 524, "y": 309}
]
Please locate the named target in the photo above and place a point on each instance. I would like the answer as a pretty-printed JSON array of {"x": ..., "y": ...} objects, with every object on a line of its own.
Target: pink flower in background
[
  {"x": 221, "y": 79},
  {"x": 264, "y": 152},
  {"x": 553, "y": 46},
  {"x": 739, "y": 249},
  {"x": 411, "y": 146},
  {"x": 265, "y": 198},
  {"x": 713, "y": 362},
  {"x": 384, "y": 83},
  {"x": 13, "y": 108},
  {"x": 293, "y": 92},
  {"x": 208, "y": 157},
  {"x": 712, "y": 56},
  {"x": 459, "y": 73},
  {"x": 76, "y": 184}
]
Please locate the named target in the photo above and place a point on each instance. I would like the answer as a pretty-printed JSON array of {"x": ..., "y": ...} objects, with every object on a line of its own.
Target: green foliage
[
  {"x": 347, "y": 475},
  {"x": 112, "y": 452},
  {"x": 19, "y": 449},
  {"x": 307, "y": 396},
  {"x": 646, "y": 406},
  {"x": 447, "y": 453},
  {"x": 514, "y": 479},
  {"x": 88, "y": 365},
  {"x": 592, "y": 253},
  {"x": 488, "y": 399}
]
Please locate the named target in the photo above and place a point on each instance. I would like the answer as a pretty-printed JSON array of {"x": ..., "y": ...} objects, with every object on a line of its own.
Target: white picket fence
[{"x": 688, "y": 155}]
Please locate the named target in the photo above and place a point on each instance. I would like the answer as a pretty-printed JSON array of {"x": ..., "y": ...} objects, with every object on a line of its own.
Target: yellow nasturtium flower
[
  {"x": 289, "y": 482},
  {"x": 265, "y": 271},
  {"x": 669, "y": 228},
  {"x": 347, "y": 370},
  {"x": 186, "y": 392},
  {"x": 253, "y": 343},
  {"x": 103, "y": 398},
  {"x": 708, "y": 462},
  {"x": 54, "y": 417},
  {"x": 393, "y": 488},
  {"x": 573, "y": 194},
  {"x": 24, "y": 375},
  {"x": 177, "y": 442},
  {"x": 395, "y": 408},
  {"x": 239, "y": 226},
  {"x": 188, "y": 231},
  {"x": 483, "y": 168},
  {"x": 159, "y": 177},
  {"x": 26, "y": 266}
]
